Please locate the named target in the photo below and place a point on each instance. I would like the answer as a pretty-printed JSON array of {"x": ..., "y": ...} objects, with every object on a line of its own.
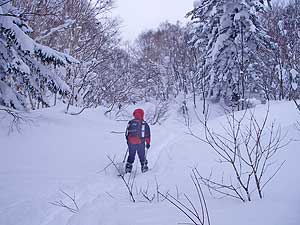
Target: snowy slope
[{"x": 59, "y": 151}]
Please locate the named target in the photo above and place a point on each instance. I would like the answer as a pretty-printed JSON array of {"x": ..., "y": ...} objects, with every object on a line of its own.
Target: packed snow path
[{"x": 62, "y": 152}]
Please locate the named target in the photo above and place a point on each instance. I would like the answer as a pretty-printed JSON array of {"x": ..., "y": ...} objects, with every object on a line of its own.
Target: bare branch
[
  {"x": 128, "y": 184},
  {"x": 60, "y": 203},
  {"x": 17, "y": 118},
  {"x": 4, "y": 3},
  {"x": 247, "y": 145}
]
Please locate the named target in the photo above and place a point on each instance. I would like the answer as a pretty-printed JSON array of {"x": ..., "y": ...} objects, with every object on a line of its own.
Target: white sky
[{"x": 140, "y": 15}]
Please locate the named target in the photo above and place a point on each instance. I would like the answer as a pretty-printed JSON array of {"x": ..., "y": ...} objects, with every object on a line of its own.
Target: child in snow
[{"x": 137, "y": 135}]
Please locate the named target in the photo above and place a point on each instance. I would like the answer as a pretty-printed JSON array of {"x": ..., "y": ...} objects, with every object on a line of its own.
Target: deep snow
[{"x": 57, "y": 152}]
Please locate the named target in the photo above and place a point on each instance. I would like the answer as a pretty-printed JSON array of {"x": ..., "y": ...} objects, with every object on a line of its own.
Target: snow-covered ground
[{"x": 57, "y": 152}]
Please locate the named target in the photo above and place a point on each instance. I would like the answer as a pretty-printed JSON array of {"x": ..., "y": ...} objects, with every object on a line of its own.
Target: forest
[
  {"x": 71, "y": 51},
  {"x": 211, "y": 107}
]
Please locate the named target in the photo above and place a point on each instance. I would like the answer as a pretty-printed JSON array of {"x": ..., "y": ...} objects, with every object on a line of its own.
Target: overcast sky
[{"x": 140, "y": 15}]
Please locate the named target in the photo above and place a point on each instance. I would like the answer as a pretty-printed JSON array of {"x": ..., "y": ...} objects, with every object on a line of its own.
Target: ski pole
[{"x": 125, "y": 155}]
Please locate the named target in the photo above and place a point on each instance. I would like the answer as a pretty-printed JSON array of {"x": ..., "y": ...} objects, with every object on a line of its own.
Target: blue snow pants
[{"x": 140, "y": 150}]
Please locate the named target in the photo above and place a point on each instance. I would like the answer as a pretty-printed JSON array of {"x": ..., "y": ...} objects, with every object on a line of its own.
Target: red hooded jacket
[{"x": 138, "y": 114}]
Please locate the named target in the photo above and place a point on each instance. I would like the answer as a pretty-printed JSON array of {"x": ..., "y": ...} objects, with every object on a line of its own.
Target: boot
[
  {"x": 128, "y": 167},
  {"x": 144, "y": 166}
]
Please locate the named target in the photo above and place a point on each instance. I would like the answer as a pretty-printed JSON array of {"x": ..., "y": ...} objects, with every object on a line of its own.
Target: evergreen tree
[
  {"x": 28, "y": 70},
  {"x": 233, "y": 35}
]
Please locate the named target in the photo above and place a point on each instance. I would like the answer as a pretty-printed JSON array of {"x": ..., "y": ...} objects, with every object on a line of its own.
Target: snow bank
[{"x": 59, "y": 151}]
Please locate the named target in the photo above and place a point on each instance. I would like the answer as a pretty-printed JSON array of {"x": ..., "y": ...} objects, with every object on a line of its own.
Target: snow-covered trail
[{"x": 66, "y": 152}]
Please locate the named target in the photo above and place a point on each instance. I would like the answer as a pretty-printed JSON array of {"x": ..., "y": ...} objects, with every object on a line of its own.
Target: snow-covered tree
[
  {"x": 233, "y": 34},
  {"x": 165, "y": 64},
  {"x": 111, "y": 85},
  {"x": 86, "y": 30},
  {"x": 28, "y": 71}
]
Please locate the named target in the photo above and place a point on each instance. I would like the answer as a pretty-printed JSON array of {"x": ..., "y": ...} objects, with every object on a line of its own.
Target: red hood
[{"x": 138, "y": 114}]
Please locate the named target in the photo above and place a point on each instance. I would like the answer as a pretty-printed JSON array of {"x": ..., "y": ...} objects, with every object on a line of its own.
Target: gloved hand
[{"x": 147, "y": 146}]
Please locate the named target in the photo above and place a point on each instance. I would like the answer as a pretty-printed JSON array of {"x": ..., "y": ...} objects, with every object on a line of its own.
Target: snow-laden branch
[{"x": 67, "y": 24}]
